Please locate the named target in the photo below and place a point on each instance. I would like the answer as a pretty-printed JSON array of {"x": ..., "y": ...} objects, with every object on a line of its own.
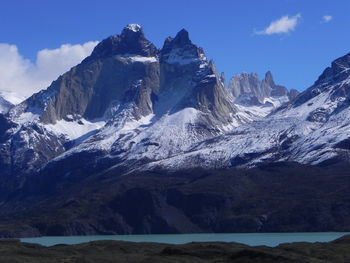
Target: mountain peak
[
  {"x": 132, "y": 31},
  {"x": 268, "y": 76},
  {"x": 181, "y": 50},
  {"x": 133, "y": 27},
  {"x": 268, "y": 83},
  {"x": 182, "y": 37},
  {"x": 131, "y": 41}
]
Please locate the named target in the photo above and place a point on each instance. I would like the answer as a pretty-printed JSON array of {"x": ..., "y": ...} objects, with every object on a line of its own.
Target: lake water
[{"x": 252, "y": 239}]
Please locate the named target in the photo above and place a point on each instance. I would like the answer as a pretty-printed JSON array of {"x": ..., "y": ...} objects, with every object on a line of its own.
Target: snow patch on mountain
[
  {"x": 74, "y": 129},
  {"x": 134, "y": 27},
  {"x": 105, "y": 136},
  {"x": 256, "y": 112},
  {"x": 179, "y": 56},
  {"x": 137, "y": 58},
  {"x": 26, "y": 118}
]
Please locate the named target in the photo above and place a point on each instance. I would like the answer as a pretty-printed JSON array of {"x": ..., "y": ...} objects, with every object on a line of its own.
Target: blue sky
[{"x": 225, "y": 29}]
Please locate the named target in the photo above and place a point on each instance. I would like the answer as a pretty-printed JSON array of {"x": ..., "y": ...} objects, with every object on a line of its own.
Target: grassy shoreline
[{"x": 15, "y": 251}]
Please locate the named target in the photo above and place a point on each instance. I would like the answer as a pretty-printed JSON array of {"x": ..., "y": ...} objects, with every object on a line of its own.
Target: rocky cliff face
[
  {"x": 122, "y": 71},
  {"x": 248, "y": 87},
  {"x": 194, "y": 80}
]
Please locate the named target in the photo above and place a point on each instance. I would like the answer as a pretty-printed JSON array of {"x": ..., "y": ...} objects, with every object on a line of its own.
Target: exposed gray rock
[
  {"x": 112, "y": 74},
  {"x": 293, "y": 93},
  {"x": 247, "y": 87}
]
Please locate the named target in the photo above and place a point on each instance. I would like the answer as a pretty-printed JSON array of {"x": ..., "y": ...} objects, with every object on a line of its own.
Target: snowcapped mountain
[
  {"x": 257, "y": 98},
  {"x": 313, "y": 128},
  {"x": 126, "y": 90},
  {"x": 131, "y": 106},
  {"x": 136, "y": 128}
]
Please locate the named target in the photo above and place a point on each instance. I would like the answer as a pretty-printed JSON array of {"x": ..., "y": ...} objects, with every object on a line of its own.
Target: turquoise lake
[{"x": 252, "y": 239}]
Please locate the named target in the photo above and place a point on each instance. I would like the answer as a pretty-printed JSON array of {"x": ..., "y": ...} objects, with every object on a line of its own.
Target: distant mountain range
[{"x": 130, "y": 108}]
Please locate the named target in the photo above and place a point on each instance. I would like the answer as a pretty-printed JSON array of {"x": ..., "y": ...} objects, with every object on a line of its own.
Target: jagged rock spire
[
  {"x": 248, "y": 89},
  {"x": 182, "y": 38},
  {"x": 269, "y": 78}
]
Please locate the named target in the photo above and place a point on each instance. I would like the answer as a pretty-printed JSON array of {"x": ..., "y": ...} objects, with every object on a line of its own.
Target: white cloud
[
  {"x": 327, "y": 18},
  {"x": 281, "y": 26},
  {"x": 20, "y": 78}
]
